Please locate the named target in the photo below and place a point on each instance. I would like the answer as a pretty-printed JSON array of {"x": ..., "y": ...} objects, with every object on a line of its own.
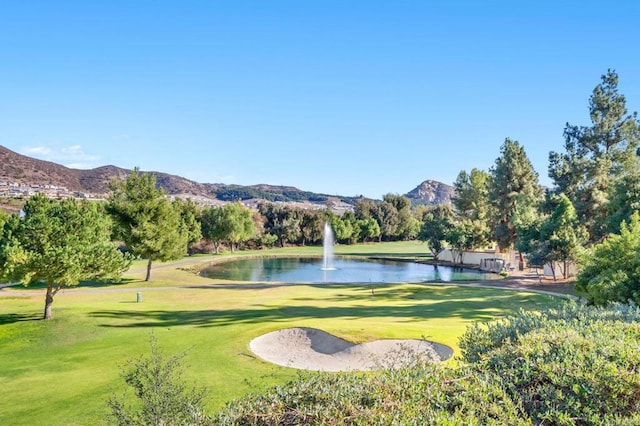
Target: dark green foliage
[
  {"x": 423, "y": 395},
  {"x": 163, "y": 398},
  {"x": 624, "y": 199},
  {"x": 437, "y": 222},
  {"x": 239, "y": 193},
  {"x": 189, "y": 213},
  {"x": 597, "y": 156},
  {"x": 555, "y": 240},
  {"x": 513, "y": 190},
  {"x": 610, "y": 272},
  {"x": 575, "y": 365},
  {"x": 60, "y": 243},
  {"x": 149, "y": 224}
]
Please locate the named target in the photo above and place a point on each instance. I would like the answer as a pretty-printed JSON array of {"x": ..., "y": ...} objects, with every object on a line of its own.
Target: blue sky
[{"x": 337, "y": 97}]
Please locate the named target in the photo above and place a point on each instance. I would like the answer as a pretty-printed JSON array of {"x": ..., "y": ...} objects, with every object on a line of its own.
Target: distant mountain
[
  {"x": 431, "y": 192},
  {"x": 22, "y": 169}
]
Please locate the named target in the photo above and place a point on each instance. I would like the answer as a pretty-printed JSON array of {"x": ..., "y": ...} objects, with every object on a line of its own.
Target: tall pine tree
[
  {"x": 597, "y": 156},
  {"x": 513, "y": 190}
]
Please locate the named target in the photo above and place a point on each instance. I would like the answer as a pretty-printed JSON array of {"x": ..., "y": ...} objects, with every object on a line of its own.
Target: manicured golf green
[{"x": 62, "y": 371}]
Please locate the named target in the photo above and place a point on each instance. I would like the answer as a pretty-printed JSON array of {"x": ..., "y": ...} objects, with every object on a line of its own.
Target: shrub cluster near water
[{"x": 575, "y": 365}]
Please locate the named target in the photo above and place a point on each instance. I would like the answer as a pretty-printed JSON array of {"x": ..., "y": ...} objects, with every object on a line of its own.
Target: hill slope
[
  {"x": 431, "y": 192},
  {"x": 22, "y": 169}
]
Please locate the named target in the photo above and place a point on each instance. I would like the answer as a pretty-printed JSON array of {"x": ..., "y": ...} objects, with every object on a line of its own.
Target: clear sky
[{"x": 338, "y": 97}]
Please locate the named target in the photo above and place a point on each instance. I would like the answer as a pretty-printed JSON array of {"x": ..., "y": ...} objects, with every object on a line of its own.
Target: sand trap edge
[{"x": 314, "y": 349}]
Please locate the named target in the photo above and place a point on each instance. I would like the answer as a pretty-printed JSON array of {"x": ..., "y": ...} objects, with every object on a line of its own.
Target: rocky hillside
[
  {"x": 26, "y": 170},
  {"x": 431, "y": 192},
  {"x": 22, "y": 169}
]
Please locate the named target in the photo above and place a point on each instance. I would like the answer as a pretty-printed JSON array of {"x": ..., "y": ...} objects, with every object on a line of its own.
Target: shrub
[
  {"x": 574, "y": 365},
  {"x": 163, "y": 398},
  {"x": 424, "y": 394},
  {"x": 610, "y": 272}
]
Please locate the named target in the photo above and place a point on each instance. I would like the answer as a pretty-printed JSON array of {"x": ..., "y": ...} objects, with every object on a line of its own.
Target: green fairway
[{"x": 62, "y": 371}]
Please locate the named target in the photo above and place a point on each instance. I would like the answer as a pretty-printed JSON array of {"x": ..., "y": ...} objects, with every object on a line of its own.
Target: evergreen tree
[
  {"x": 597, "y": 156},
  {"x": 59, "y": 243},
  {"x": 471, "y": 200},
  {"x": 513, "y": 189},
  {"x": 148, "y": 223},
  {"x": 562, "y": 235}
]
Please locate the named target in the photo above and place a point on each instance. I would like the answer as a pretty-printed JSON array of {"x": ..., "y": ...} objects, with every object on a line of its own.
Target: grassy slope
[{"x": 62, "y": 371}]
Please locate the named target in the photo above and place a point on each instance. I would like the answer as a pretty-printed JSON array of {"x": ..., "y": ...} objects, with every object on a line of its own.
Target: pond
[{"x": 346, "y": 270}]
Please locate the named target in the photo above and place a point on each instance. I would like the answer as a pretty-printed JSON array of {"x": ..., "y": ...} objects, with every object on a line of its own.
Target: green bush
[
  {"x": 162, "y": 396},
  {"x": 578, "y": 364},
  {"x": 610, "y": 272},
  {"x": 422, "y": 395}
]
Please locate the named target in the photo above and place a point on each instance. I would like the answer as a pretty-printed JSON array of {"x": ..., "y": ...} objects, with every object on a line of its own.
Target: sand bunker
[{"x": 313, "y": 349}]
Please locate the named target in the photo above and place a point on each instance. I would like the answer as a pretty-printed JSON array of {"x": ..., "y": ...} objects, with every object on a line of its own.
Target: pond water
[{"x": 346, "y": 270}]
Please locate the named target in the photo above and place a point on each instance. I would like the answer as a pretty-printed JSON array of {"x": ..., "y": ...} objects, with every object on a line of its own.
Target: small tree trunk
[
  {"x": 553, "y": 271},
  {"x": 148, "y": 278},
  {"x": 216, "y": 245},
  {"x": 48, "y": 301}
]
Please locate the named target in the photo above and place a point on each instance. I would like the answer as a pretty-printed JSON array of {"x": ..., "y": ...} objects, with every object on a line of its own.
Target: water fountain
[{"x": 327, "y": 248}]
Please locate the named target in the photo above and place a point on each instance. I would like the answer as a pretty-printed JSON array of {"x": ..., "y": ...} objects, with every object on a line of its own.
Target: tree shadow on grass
[
  {"x": 475, "y": 310},
  {"x": 13, "y": 318},
  {"x": 83, "y": 284}
]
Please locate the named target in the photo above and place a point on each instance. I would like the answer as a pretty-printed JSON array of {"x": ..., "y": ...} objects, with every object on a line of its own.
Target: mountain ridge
[{"x": 15, "y": 167}]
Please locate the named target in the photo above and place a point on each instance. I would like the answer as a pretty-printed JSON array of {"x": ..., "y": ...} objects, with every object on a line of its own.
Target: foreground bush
[
  {"x": 575, "y": 365},
  {"x": 162, "y": 397},
  {"x": 422, "y": 395}
]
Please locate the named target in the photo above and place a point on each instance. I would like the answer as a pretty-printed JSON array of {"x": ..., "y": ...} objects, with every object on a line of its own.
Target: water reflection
[{"x": 347, "y": 270}]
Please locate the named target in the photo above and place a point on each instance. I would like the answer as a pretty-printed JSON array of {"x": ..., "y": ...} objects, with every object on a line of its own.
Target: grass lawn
[{"x": 62, "y": 371}]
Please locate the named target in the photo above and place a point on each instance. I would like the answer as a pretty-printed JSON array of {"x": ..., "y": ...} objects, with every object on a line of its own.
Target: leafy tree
[
  {"x": 148, "y": 223},
  {"x": 342, "y": 228},
  {"x": 610, "y": 272},
  {"x": 60, "y": 243},
  {"x": 529, "y": 240},
  {"x": 513, "y": 188},
  {"x": 389, "y": 220},
  {"x": 164, "y": 398},
  {"x": 465, "y": 235},
  {"x": 213, "y": 226},
  {"x": 596, "y": 156},
  {"x": 407, "y": 225},
  {"x": 189, "y": 214},
  {"x": 563, "y": 236},
  {"x": 240, "y": 224},
  {"x": 232, "y": 223},
  {"x": 369, "y": 229},
  {"x": 624, "y": 199},
  {"x": 267, "y": 240},
  {"x": 365, "y": 208},
  {"x": 471, "y": 196},
  {"x": 436, "y": 225},
  {"x": 311, "y": 226},
  {"x": 352, "y": 227}
]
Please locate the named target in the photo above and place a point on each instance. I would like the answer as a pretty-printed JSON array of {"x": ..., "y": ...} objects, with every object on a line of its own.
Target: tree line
[
  {"x": 63, "y": 242},
  {"x": 596, "y": 189}
]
